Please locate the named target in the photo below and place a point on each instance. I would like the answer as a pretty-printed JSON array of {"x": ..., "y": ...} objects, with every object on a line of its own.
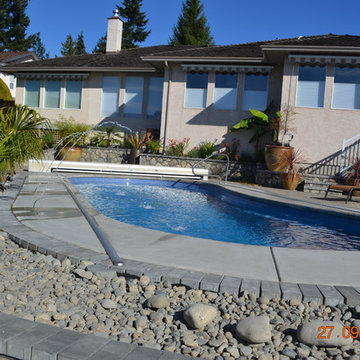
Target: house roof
[
  {"x": 10, "y": 56},
  {"x": 145, "y": 58}
]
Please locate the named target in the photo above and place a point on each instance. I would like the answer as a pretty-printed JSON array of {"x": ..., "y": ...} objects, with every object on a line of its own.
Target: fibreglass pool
[{"x": 212, "y": 212}]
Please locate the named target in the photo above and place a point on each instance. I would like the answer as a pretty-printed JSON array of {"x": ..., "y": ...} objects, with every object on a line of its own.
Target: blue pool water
[{"x": 207, "y": 211}]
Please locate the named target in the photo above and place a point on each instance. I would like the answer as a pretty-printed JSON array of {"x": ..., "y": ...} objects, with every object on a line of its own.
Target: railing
[
  {"x": 215, "y": 176},
  {"x": 350, "y": 151}
]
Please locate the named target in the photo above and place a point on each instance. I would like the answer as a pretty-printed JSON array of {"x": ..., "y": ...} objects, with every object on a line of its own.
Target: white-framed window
[
  {"x": 255, "y": 92},
  {"x": 153, "y": 110},
  {"x": 52, "y": 94},
  {"x": 225, "y": 92},
  {"x": 133, "y": 99},
  {"x": 346, "y": 91},
  {"x": 12, "y": 82},
  {"x": 32, "y": 93},
  {"x": 73, "y": 89},
  {"x": 196, "y": 90},
  {"x": 110, "y": 96},
  {"x": 311, "y": 86}
]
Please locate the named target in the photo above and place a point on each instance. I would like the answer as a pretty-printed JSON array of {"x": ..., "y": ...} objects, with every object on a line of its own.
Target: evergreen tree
[
  {"x": 39, "y": 47},
  {"x": 13, "y": 25},
  {"x": 68, "y": 47},
  {"x": 80, "y": 45},
  {"x": 100, "y": 47},
  {"x": 134, "y": 23},
  {"x": 192, "y": 28}
]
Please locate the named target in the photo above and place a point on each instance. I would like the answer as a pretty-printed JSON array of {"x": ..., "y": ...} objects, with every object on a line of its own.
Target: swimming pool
[{"x": 211, "y": 212}]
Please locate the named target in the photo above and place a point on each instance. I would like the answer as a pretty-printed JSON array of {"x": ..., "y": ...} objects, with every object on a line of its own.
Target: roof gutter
[
  {"x": 317, "y": 49},
  {"x": 203, "y": 59},
  {"x": 75, "y": 69}
]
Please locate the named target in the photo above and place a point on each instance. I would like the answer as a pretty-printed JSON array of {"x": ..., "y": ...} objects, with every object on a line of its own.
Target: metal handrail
[
  {"x": 213, "y": 154},
  {"x": 346, "y": 143}
]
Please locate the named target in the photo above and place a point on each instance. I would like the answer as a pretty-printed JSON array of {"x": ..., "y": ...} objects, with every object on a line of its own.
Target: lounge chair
[{"x": 344, "y": 189}]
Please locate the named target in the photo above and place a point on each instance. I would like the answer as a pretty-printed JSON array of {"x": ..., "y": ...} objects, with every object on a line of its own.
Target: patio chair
[{"x": 344, "y": 189}]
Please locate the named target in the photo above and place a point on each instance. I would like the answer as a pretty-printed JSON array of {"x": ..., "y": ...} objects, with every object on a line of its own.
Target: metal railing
[
  {"x": 207, "y": 158},
  {"x": 350, "y": 151}
]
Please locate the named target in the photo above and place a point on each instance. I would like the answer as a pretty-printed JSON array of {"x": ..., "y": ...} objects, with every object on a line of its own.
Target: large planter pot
[
  {"x": 70, "y": 154},
  {"x": 273, "y": 156},
  {"x": 134, "y": 156},
  {"x": 290, "y": 181}
]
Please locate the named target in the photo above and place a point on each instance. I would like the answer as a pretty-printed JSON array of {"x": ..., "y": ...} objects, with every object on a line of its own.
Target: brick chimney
[{"x": 114, "y": 33}]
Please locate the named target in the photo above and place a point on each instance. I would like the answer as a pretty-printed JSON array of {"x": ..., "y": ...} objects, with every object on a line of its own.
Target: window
[
  {"x": 346, "y": 92},
  {"x": 311, "y": 86},
  {"x": 196, "y": 90},
  {"x": 225, "y": 92},
  {"x": 255, "y": 92},
  {"x": 110, "y": 96},
  {"x": 12, "y": 82},
  {"x": 32, "y": 93},
  {"x": 134, "y": 88},
  {"x": 153, "y": 110},
  {"x": 73, "y": 94},
  {"x": 52, "y": 94}
]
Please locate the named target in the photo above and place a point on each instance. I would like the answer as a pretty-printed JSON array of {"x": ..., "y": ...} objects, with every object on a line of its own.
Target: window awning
[
  {"x": 325, "y": 59},
  {"x": 227, "y": 68},
  {"x": 53, "y": 76}
]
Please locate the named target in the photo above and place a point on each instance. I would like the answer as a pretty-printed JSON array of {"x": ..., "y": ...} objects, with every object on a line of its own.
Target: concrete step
[{"x": 317, "y": 183}]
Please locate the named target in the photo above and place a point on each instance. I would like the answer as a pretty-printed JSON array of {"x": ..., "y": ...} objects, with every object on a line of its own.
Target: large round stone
[
  {"x": 254, "y": 329},
  {"x": 158, "y": 301},
  {"x": 199, "y": 315},
  {"x": 323, "y": 333}
]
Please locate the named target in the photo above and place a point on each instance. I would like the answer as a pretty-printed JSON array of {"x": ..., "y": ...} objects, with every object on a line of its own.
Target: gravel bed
[{"x": 161, "y": 316}]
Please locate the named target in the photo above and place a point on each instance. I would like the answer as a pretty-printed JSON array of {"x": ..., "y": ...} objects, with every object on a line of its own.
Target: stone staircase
[{"x": 317, "y": 183}]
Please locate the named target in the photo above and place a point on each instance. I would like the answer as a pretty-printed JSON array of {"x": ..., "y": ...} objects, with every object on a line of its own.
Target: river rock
[
  {"x": 108, "y": 304},
  {"x": 83, "y": 274},
  {"x": 308, "y": 333},
  {"x": 254, "y": 329},
  {"x": 199, "y": 315},
  {"x": 158, "y": 301}
]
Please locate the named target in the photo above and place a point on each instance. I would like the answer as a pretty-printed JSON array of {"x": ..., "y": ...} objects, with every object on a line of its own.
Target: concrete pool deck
[{"x": 44, "y": 217}]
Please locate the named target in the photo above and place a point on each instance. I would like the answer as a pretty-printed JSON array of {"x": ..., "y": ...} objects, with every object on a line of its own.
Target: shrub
[
  {"x": 193, "y": 153},
  {"x": 176, "y": 147},
  {"x": 138, "y": 141},
  {"x": 206, "y": 149},
  {"x": 153, "y": 146},
  {"x": 48, "y": 139},
  {"x": 107, "y": 136},
  {"x": 72, "y": 133}
]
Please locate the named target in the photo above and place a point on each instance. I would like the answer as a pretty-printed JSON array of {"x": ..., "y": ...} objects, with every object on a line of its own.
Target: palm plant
[
  {"x": 138, "y": 141},
  {"x": 20, "y": 136},
  {"x": 107, "y": 136}
]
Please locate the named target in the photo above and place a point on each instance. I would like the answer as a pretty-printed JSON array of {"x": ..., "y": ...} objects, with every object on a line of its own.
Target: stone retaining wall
[{"x": 245, "y": 172}]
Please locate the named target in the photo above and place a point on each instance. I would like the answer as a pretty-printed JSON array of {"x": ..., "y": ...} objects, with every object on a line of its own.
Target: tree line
[{"x": 191, "y": 29}]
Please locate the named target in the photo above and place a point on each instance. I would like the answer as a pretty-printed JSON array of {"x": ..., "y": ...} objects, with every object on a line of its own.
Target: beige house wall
[
  {"x": 209, "y": 124},
  {"x": 90, "y": 111},
  {"x": 318, "y": 132}
]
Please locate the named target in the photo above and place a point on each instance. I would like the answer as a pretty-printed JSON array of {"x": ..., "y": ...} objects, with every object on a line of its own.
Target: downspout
[{"x": 167, "y": 103}]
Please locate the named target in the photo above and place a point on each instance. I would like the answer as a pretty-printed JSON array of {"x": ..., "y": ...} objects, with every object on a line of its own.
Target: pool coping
[{"x": 28, "y": 238}]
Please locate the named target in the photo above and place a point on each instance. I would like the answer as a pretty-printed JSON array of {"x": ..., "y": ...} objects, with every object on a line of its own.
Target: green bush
[
  {"x": 48, "y": 139},
  {"x": 71, "y": 132},
  {"x": 206, "y": 149},
  {"x": 107, "y": 136},
  {"x": 193, "y": 153},
  {"x": 153, "y": 146}
]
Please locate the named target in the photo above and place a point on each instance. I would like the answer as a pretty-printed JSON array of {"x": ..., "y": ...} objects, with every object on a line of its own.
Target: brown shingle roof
[
  {"x": 7, "y": 56},
  {"x": 136, "y": 58}
]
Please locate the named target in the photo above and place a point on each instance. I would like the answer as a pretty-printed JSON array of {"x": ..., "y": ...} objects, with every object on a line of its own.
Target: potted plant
[
  {"x": 137, "y": 142},
  {"x": 289, "y": 161},
  {"x": 270, "y": 121},
  {"x": 73, "y": 138}
]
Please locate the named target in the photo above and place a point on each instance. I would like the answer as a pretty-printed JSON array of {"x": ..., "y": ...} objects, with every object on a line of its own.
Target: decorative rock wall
[
  {"x": 268, "y": 178},
  {"x": 105, "y": 155}
]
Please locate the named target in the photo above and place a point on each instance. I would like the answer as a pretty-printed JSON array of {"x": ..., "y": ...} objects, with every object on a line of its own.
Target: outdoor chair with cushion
[{"x": 344, "y": 189}]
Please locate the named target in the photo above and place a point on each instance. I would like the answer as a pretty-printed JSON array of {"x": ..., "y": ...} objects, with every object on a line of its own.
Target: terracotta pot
[
  {"x": 70, "y": 154},
  {"x": 290, "y": 181},
  {"x": 273, "y": 156},
  {"x": 134, "y": 156}
]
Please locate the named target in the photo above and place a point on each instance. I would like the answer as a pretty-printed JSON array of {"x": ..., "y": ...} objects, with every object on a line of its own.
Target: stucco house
[
  {"x": 11, "y": 58},
  {"x": 200, "y": 92}
]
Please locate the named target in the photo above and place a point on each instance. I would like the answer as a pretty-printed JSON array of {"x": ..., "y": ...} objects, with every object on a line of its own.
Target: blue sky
[{"x": 231, "y": 21}]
